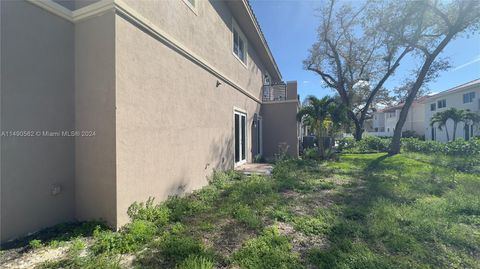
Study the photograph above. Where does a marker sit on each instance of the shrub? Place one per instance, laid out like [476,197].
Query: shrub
[129,239]
[311,153]
[366,145]
[458,147]
[346,144]
[147,211]
[181,207]
[35,244]
[270,250]
[413,134]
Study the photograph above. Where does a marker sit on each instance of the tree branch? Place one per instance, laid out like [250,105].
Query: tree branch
[382,81]
[331,82]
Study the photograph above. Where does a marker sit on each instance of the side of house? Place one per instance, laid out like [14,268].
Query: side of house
[163,93]
[466,97]
[385,120]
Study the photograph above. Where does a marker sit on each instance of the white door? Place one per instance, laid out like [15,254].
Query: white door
[240,137]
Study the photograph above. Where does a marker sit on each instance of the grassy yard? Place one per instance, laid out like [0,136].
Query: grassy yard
[364,211]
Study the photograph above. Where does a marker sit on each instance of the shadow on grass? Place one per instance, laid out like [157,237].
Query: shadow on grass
[56,234]
[379,225]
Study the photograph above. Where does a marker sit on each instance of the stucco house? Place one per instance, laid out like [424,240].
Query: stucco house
[384,120]
[466,97]
[107,102]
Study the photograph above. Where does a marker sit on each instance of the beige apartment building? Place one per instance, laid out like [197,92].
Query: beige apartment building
[108,102]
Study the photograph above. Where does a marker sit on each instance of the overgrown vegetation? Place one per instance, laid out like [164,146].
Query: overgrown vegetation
[459,154]
[364,211]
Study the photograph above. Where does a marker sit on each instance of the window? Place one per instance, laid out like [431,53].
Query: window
[239,44]
[468,97]
[192,4]
[433,107]
[442,103]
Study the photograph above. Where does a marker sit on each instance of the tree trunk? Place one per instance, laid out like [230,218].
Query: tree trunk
[320,146]
[358,132]
[397,134]
[446,131]
[454,130]
[358,125]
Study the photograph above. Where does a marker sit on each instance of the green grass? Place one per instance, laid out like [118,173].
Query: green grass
[363,211]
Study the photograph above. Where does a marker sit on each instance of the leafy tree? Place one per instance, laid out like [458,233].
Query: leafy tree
[428,26]
[355,58]
[400,93]
[323,116]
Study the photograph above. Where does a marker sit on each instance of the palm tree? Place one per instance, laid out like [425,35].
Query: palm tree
[457,116]
[321,115]
[440,119]
[471,118]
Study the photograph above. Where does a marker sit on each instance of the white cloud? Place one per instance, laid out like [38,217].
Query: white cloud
[476,59]
[305,82]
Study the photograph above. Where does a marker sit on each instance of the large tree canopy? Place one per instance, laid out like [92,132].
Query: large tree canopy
[354,58]
[428,26]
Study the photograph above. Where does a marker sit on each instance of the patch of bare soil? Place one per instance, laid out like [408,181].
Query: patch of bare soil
[32,258]
[228,237]
[301,243]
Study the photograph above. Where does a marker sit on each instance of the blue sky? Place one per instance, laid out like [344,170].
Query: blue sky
[290,29]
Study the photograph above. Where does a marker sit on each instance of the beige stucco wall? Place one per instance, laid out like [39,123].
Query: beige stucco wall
[174,126]
[37,94]
[208,33]
[95,161]
[162,124]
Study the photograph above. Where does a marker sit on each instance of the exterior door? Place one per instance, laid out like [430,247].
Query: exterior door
[240,137]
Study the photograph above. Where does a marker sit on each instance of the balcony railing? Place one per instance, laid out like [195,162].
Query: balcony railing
[277,92]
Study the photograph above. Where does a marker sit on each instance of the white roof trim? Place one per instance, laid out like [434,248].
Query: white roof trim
[462,87]
[77,15]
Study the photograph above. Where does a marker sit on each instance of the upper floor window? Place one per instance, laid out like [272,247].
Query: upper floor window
[239,44]
[468,97]
[433,107]
[442,103]
[192,4]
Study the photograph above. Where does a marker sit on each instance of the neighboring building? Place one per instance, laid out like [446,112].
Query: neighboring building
[384,121]
[466,97]
[162,93]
